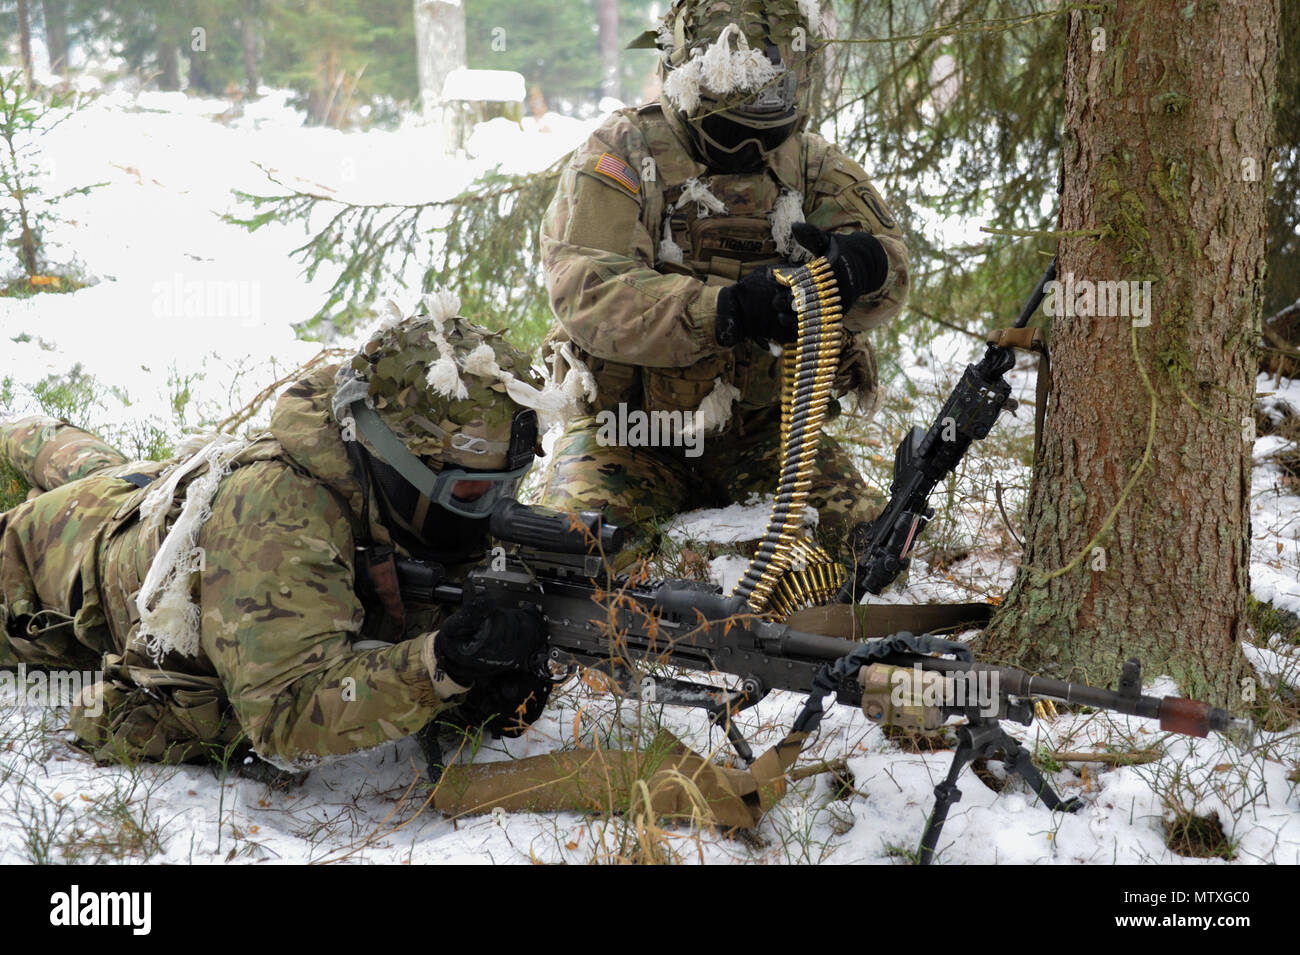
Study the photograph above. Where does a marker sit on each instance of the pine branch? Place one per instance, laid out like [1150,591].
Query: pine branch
[472,241]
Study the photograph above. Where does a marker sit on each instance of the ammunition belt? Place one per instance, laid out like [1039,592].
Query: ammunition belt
[789,572]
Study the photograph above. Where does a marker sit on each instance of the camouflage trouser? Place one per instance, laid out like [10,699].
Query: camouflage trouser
[53,612]
[50,453]
[47,541]
[639,487]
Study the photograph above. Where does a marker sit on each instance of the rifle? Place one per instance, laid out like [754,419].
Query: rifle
[927,456]
[627,630]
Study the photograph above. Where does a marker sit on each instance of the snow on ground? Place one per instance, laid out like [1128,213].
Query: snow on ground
[171,162]
[1275,517]
[179,293]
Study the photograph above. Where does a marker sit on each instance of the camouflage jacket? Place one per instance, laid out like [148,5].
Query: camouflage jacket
[645,322]
[281,612]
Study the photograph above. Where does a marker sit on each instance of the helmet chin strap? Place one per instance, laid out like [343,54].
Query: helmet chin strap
[422,527]
[395,454]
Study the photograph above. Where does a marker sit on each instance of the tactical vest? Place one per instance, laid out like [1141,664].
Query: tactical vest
[716,247]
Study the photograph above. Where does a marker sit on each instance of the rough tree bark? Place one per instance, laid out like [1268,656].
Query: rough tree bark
[1168,130]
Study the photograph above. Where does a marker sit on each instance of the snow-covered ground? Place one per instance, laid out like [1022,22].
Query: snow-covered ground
[154,231]
[180,298]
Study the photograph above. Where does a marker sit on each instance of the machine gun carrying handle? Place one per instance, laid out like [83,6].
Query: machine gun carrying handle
[682,601]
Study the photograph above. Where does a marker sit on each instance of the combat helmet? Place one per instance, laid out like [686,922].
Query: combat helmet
[439,404]
[736,74]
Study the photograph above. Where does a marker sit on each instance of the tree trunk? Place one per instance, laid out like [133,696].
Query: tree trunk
[248,40]
[329,78]
[198,72]
[607,20]
[27,244]
[439,49]
[56,34]
[827,68]
[169,67]
[25,40]
[1168,130]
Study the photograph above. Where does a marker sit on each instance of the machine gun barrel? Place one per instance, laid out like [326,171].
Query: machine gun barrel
[1176,714]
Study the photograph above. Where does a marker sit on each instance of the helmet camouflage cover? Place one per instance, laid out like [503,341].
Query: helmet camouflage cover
[737,71]
[440,385]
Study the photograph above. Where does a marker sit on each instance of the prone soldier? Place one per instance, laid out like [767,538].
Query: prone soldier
[245,593]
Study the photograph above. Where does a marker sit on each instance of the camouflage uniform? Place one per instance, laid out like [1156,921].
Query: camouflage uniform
[282,609]
[645,324]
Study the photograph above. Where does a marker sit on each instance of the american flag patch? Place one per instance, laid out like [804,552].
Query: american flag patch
[619,171]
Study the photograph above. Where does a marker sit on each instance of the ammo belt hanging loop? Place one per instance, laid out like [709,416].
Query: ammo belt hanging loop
[788,572]
[1035,340]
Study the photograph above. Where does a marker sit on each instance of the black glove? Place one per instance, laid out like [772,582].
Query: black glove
[480,640]
[757,307]
[507,704]
[857,259]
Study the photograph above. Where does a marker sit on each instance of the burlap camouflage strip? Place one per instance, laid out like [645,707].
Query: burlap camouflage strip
[677,783]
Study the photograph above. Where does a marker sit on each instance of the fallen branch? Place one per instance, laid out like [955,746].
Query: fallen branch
[837,766]
[1132,758]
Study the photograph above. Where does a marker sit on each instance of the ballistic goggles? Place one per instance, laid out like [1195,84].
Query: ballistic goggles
[441,486]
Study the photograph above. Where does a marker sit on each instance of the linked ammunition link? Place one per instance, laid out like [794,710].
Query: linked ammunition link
[789,572]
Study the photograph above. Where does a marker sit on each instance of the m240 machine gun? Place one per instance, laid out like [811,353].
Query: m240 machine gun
[630,630]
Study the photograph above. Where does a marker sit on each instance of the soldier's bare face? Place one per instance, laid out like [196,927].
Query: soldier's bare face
[469,490]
